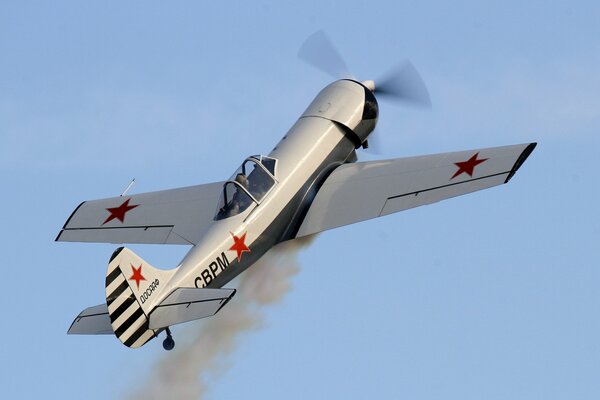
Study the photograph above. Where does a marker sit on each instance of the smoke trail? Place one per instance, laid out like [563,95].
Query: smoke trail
[180,373]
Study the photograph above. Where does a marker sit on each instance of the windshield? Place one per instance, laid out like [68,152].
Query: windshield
[250,183]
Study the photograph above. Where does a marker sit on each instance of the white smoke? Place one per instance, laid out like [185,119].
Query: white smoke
[181,374]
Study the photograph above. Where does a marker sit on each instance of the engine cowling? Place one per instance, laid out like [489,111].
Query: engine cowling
[350,104]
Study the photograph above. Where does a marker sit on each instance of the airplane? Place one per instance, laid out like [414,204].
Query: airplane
[309,183]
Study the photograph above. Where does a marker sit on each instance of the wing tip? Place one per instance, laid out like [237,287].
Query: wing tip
[71,331]
[520,160]
[67,222]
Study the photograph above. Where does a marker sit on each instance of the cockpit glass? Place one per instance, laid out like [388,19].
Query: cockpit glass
[254,179]
[267,162]
[233,201]
[249,183]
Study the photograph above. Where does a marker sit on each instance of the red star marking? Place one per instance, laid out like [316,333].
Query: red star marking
[137,275]
[119,212]
[239,246]
[468,166]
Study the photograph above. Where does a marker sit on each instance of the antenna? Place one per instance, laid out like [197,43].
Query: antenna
[128,187]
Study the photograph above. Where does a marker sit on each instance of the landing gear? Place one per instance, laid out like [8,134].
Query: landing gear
[168,343]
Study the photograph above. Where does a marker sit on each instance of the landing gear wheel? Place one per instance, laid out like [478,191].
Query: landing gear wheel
[168,343]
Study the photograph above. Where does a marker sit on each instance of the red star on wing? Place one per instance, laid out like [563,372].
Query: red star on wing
[119,212]
[239,246]
[137,275]
[468,166]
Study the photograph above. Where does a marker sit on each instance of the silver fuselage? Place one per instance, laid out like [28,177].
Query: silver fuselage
[326,135]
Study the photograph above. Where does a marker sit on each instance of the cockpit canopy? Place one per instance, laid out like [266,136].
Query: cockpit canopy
[248,185]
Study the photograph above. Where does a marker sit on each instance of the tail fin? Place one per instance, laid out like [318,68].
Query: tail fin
[131,287]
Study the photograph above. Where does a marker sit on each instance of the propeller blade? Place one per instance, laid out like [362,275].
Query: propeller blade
[404,84]
[320,52]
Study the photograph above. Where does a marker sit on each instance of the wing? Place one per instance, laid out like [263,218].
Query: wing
[176,216]
[361,191]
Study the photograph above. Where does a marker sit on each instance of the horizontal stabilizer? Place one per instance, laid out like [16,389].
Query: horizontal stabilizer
[92,321]
[188,304]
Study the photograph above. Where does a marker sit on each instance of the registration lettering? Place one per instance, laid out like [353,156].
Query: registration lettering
[209,273]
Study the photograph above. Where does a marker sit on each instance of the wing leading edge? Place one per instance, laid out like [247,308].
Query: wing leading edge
[361,191]
[176,216]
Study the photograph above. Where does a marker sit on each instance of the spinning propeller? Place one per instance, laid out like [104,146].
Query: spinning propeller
[402,84]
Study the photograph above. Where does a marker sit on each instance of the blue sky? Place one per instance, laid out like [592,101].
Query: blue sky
[492,295]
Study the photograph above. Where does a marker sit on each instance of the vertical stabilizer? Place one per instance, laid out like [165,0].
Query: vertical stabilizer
[132,285]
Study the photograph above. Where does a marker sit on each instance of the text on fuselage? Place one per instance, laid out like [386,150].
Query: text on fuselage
[209,273]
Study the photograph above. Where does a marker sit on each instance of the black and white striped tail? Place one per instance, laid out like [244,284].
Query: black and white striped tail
[128,320]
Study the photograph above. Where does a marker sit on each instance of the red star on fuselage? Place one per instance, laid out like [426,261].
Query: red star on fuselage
[119,212]
[137,275]
[468,166]
[239,246]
